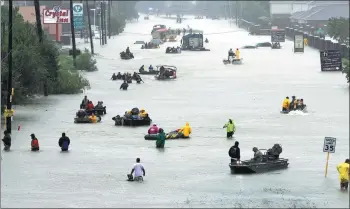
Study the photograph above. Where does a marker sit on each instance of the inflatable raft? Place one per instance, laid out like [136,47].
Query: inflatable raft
[86,119]
[168,136]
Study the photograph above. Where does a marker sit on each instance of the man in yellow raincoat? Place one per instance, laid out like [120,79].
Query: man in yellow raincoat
[237,54]
[285,104]
[93,118]
[143,113]
[186,130]
[230,128]
[343,170]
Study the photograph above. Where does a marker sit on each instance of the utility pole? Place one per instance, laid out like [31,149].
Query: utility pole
[104,21]
[101,23]
[8,110]
[40,35]
[236,13]
[109,18]
[73,32]
[90,32]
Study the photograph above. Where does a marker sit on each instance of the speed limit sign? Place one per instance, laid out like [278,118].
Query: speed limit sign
[329,144]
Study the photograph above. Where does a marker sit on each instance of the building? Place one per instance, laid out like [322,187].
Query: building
[285,13]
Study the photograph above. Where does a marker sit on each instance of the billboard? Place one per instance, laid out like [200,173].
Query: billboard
[298,43]
[56,15]
[331,60]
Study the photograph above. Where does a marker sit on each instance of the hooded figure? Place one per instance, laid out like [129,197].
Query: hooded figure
[124,86]
[114,77]
[257,154]
[127,51]
[142,69]
[186,130]
[230,128]
[235,153]
[34,143]
[160,139]
[7,141]
[64,142]
[153,129]
[291,105]
[143,113]
[150,68]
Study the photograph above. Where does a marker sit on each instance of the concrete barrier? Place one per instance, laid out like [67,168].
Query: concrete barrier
[319,43]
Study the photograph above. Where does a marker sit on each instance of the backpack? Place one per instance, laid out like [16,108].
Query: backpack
[65,144]
[233,152]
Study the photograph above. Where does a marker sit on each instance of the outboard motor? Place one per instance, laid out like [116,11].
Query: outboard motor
[118,120]
[275,151]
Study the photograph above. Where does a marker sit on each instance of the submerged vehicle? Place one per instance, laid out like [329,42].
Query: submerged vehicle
[86,119]
[157,27]
[276,45]
[263,44]
[146,18]
[270,161]
[166,72]
[125,56]
[248,47]
[140,42]
[193,42]
[173,50]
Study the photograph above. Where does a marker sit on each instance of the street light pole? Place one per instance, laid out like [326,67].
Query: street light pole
[94,18]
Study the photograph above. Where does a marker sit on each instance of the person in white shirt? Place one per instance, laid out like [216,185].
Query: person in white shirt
[139,171]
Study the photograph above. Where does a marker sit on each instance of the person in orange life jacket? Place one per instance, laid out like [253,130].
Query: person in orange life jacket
[64,142]
[34,143]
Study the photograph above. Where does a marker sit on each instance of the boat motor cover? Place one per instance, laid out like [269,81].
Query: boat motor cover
[135,111]
[276,149]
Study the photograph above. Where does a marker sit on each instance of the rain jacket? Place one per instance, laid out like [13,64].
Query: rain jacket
[343,170]
[286,103]
[237,54]
[153,130]
[230,127]
[64,142]
[93,118]
[35,143]
[160,140]
[186,130]
[143,114]
[90,106]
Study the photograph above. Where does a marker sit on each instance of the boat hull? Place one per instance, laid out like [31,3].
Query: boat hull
[131,122]
[86,119]
[248,168]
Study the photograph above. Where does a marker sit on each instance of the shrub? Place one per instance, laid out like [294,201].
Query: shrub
[85,62]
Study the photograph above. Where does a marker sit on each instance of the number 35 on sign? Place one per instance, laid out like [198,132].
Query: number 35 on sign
[329,144]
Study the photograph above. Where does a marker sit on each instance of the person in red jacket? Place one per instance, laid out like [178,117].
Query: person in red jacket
[34,143]
[90,106]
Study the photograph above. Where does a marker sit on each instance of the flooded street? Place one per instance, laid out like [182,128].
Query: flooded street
[187,173]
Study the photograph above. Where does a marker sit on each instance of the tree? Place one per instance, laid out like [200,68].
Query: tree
[32,62]
[346,70]
[338,29]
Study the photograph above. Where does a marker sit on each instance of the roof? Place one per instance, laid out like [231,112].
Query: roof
[162,30]
[327,12]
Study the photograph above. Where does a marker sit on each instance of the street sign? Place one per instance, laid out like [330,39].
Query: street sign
[78,16]
[78,9]
[331,60]
[278,35]
[56,15]
[329,144]
[298,43]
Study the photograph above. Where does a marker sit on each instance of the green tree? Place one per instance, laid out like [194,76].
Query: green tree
[338,29]
[32,62]
[346,70]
